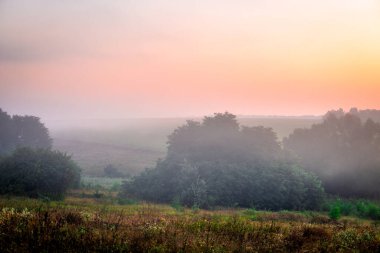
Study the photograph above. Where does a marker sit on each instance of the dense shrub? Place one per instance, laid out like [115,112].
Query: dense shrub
[219,163]
[37,173]
[335,212]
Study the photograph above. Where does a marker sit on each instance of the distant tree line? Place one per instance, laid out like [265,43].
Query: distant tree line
[217,162]
[364,115]
[343,151]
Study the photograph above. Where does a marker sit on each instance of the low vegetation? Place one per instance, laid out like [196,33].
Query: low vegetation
[35,226]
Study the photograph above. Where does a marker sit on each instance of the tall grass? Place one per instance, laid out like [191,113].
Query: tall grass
[34,226]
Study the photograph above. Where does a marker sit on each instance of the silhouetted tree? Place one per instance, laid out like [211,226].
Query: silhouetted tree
[22,131]
[364,115]
[31,132]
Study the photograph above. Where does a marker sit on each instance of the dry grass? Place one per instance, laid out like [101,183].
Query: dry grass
[33,226]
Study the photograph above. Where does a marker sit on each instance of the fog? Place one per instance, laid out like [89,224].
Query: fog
[102,142]
[340,147]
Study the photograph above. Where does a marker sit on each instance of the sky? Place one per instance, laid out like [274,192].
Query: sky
[164,58]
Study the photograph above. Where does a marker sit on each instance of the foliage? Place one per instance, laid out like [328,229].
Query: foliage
[356,207]
[176,204]
[38,173]
[113,172]
[343,152]
[219,163]
[251,213]
[22,131]
[335,212]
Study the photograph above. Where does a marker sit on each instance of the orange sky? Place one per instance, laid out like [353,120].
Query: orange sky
[117,59]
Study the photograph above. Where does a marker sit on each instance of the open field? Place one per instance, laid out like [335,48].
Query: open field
[100,225]
[133,145]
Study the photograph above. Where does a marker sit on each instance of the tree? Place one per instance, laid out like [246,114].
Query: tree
[38,172]
[7,133]
[218,163]
[22,131]
[343,151]
[113,172]
[31,132]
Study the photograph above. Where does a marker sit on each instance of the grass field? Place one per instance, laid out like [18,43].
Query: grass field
[133,145]
[85,224]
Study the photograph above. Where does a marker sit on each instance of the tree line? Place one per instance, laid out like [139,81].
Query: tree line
[343,151]
[216,162]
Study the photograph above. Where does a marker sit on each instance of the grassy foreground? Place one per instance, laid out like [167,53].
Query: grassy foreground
[97,225]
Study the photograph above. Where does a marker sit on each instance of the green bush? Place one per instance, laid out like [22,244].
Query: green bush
[335,212]
[38,173]
[251,213]
[176,204]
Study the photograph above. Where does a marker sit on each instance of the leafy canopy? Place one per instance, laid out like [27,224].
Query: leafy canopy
[217,162]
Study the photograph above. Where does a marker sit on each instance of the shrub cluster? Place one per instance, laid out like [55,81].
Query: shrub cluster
[38,173]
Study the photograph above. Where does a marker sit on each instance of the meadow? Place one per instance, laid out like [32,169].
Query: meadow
[96,218]
[87,222]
